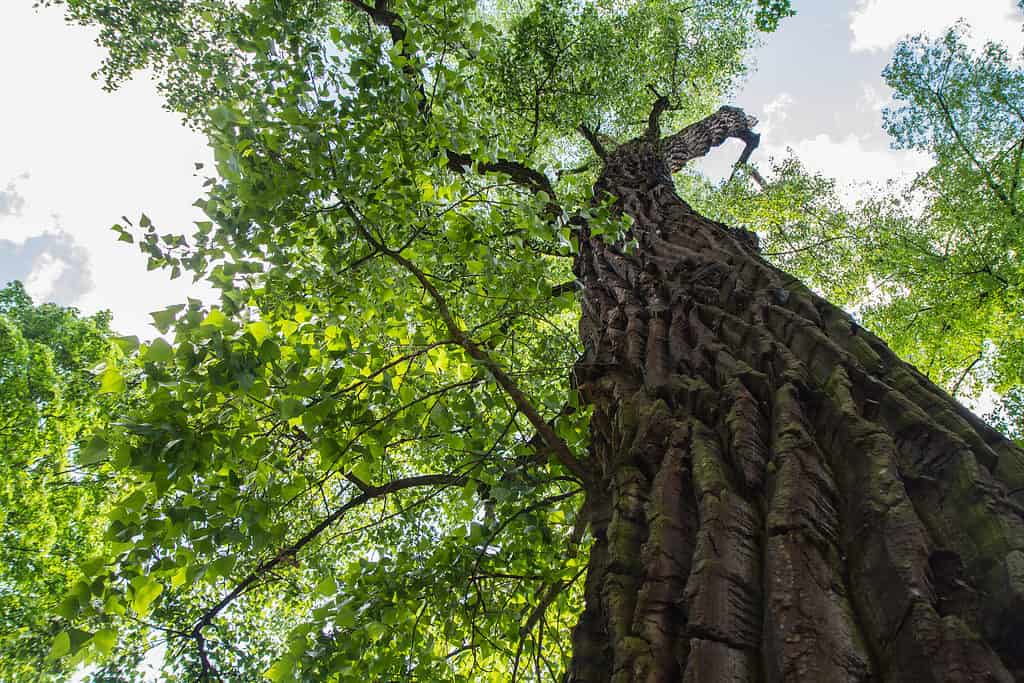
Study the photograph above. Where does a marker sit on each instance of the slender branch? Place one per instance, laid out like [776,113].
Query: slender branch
[591,136]
[288,553]
[965,373]
[538,612]
[553,592]
[997,190]
[522,403]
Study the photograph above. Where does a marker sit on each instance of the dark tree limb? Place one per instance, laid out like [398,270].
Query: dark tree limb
[383,17]
[591,136]
[565,287]
[661,105]
[697,139]
[520,173]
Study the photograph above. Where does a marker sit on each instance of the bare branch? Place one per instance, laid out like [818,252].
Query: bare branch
[591,137]
[697,139]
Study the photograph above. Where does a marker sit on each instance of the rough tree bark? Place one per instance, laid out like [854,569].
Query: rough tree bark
[777,496]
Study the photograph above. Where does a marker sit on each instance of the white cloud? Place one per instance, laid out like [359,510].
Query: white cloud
[880,24]
[774,113]
[53,266]
[11,201]
[854,161]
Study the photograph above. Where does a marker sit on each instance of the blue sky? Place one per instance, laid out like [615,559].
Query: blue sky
[74,159]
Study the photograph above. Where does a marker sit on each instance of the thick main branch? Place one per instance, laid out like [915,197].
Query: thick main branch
[697,139]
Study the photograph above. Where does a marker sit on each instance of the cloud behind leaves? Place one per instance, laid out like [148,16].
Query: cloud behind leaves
[52,266]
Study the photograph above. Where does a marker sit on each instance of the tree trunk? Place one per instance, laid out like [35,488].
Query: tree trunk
[776,495]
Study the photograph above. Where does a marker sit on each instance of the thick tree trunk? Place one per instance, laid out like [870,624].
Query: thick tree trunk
[777,496]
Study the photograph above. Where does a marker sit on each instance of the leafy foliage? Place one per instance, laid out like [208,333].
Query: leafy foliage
[362,461]
[48,495]
[966,109]
[935,267]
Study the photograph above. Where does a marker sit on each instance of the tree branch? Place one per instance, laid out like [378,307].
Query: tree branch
[522,403]
[697,139]
[383,17]
[530,178]
[287,553]
[661,105]
[591,136]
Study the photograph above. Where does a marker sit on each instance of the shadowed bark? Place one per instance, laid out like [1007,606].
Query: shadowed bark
[776,496]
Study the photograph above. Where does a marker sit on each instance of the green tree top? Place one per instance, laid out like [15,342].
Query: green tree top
[363,461]
[48,405]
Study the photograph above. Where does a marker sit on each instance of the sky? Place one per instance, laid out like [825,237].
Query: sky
[74,159]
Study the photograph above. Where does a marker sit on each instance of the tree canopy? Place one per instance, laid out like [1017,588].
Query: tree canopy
[932,266]
[362,461]
[48,493]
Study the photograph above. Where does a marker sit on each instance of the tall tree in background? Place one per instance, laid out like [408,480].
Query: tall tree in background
[48,500]
[934,268]
[387,454]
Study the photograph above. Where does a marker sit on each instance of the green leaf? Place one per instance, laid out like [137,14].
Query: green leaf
[215,318]
[345,616]
[93,452]
[290,408]
[111,381]
[259,330]
[159,351]
[146,590]
[127,344]
[104,640]
[363,469]
[163,319]
[60,646]
[279,670]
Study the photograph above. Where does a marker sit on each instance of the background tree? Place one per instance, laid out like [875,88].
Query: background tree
[934,267]
[387,453]
[48,497]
